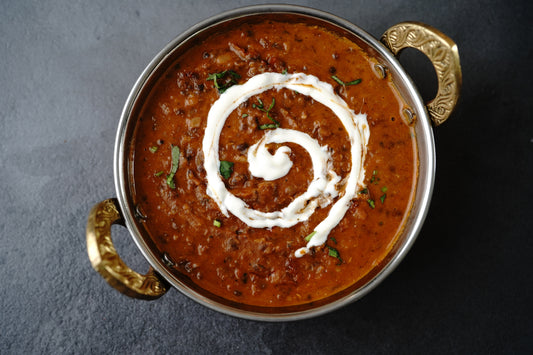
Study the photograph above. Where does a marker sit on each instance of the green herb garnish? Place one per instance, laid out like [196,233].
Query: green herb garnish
[371,203]
[226,168]
[308,238]
[261,107]
[284,71]
[217,223]
[374,179]
[268,126]
[153,149]
[339,81]
[364,191]
[159,173]
[175,163]
[334,253]
[224,80]
[384,190]
[353,82]
[244,115]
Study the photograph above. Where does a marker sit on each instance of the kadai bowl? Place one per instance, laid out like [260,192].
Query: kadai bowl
[274,162]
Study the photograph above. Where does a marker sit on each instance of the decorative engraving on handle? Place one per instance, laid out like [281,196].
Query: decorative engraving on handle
[105,260]
[444,55]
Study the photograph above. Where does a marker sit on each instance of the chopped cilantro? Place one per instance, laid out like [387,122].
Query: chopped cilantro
[175,163]
[374,179]
[261,107]
[334,253]
[268,126]
[384,190]
[353,82]
[339,81]
[308,238]
[228,78]
[226,168]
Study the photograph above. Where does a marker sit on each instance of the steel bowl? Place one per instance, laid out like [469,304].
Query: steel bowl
[441,51]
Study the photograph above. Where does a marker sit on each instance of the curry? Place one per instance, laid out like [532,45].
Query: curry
[257,257]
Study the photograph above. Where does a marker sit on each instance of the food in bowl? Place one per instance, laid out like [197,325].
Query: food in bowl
[272,164]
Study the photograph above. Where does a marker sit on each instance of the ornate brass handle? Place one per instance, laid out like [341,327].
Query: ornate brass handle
[442,52]
[105,260]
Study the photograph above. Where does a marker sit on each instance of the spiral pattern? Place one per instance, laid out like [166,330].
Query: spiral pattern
[322,190]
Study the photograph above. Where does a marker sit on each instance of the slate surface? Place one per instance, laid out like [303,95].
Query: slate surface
[66,70]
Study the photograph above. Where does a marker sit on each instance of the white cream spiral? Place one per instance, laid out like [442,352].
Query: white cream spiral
[322,190]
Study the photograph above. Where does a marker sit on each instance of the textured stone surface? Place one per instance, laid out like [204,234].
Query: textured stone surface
[66,70]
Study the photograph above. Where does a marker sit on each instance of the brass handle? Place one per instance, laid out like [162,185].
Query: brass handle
[105,260]
[444,55]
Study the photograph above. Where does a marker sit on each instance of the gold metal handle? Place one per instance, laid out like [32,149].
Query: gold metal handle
[105,260]
[444,55]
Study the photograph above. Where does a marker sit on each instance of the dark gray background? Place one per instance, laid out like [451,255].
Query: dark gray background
[66,70]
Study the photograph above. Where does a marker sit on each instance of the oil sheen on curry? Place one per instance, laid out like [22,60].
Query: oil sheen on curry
[272,164]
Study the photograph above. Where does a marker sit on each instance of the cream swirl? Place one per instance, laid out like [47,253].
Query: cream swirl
[322,190]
